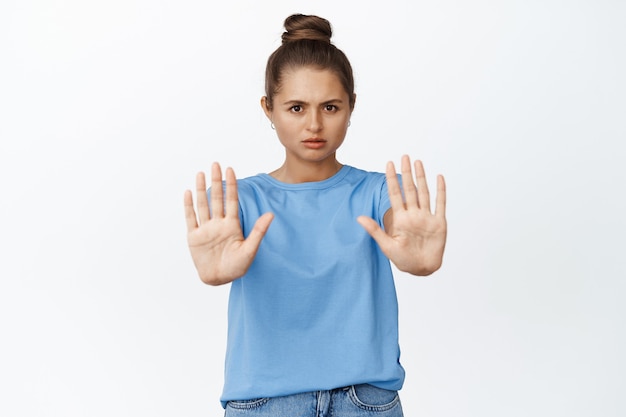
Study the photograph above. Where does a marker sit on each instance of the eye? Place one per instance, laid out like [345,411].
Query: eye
[296,109]
[330,107]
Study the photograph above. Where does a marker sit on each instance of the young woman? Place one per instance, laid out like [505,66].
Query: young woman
[313,314]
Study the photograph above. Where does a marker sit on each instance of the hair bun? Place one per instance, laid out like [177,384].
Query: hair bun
[306,27]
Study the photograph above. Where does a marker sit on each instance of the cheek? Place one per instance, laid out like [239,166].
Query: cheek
[285,131]
[342,124]
[287,125]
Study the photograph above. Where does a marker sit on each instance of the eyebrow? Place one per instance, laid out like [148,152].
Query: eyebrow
[295,102]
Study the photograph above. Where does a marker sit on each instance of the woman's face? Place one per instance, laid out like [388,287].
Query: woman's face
[310,113]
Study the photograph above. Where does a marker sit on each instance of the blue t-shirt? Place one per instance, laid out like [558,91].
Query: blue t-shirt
[317,308]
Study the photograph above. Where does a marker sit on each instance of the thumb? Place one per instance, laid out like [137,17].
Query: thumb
[257,233]
[375,231]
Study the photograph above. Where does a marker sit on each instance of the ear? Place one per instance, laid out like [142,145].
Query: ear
[353,101]
[265,107]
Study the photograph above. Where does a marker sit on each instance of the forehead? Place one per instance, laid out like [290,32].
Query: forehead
[310,84]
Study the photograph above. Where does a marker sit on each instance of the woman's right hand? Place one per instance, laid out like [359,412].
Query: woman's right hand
[216,242]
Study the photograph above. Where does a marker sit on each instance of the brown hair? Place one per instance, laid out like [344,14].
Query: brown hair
[306,42]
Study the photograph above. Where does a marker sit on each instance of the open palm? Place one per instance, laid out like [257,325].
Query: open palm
[414,238]
[218,248]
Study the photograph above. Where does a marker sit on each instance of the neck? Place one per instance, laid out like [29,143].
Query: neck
[295,173]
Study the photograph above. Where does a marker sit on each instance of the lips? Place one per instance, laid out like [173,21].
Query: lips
[314,143]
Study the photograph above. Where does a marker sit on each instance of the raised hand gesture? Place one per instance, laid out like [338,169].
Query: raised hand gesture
[414,238]
[216,242]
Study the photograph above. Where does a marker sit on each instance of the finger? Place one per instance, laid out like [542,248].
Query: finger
[253,241]
[203,204]
[190,213]
[410,191]
[217,193]
[376,232]
[393,188]
[440,205]
[232,199]
[422,188]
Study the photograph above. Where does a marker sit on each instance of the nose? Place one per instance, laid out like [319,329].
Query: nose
[315,121]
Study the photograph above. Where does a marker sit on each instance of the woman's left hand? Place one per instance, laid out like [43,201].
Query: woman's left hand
[414,238]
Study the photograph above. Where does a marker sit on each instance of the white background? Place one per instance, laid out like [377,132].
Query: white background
[109,108]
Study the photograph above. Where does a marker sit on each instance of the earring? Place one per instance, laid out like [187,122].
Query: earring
[272,126]
[349,123]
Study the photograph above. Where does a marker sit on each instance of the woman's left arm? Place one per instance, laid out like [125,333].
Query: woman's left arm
[414,238]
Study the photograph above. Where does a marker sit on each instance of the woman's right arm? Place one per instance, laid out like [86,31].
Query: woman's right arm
[218,248]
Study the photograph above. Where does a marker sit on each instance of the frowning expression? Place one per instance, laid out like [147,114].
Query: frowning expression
[310,112]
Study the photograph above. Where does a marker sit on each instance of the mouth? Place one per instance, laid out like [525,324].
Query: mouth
[314,143]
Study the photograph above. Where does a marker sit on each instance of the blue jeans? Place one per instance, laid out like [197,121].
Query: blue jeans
[353,401]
